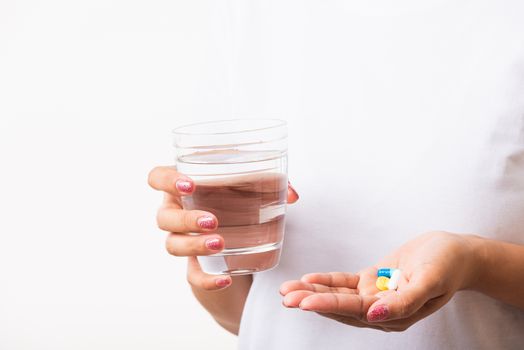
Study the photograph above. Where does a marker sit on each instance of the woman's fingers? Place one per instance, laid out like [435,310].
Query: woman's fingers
[295,291]
[199,279]
[179,220]
[167,179]
[351,305]
[180,244]
[291,286]
[332,279]
[293,299]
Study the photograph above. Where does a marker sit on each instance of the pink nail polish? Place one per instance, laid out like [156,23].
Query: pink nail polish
[379,313]
[206,222]
[184,186]
[292,189]
[222,282]
[214,244]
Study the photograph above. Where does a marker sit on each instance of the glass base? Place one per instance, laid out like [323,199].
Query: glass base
[242,261]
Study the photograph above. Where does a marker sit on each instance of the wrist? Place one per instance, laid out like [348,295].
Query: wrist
[476,262]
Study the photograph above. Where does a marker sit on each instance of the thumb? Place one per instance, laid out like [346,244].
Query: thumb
[201,280]
[404,302]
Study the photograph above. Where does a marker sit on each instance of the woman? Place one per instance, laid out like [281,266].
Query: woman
[407,144]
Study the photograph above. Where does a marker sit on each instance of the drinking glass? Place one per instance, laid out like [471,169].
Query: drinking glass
[240,171]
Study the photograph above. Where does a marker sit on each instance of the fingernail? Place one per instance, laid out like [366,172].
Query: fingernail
[207,222]
[379,313]
[222,282]
[184,186]
[214,244]
[291,188]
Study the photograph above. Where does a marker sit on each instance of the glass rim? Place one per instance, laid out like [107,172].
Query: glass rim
[278,123]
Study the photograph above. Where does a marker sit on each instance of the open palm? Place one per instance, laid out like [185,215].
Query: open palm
[434,266]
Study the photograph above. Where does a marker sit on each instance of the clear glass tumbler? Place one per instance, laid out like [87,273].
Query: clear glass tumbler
[240,171]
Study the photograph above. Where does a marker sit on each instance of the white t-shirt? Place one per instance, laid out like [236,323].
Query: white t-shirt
[404,117]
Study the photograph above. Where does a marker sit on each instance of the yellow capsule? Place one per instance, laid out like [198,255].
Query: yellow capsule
[382,283]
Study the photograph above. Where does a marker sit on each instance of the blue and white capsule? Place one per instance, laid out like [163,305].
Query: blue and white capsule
[386,272]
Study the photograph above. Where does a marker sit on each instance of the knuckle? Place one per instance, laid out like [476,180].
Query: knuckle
[189,219]
[194,247]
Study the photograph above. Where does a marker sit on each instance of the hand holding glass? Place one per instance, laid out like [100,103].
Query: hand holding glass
[240,171]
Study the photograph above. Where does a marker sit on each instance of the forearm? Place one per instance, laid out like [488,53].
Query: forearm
[500,270]
[226,305]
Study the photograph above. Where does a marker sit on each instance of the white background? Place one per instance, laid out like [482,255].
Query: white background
[89,91]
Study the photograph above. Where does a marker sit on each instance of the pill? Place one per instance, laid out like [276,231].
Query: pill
[385,271]
[393,281]
[382,283]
